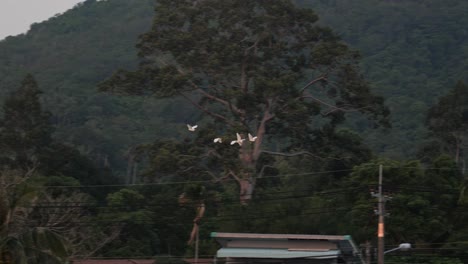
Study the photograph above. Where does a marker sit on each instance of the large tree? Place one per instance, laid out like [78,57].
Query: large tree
[25,129]
[263,68]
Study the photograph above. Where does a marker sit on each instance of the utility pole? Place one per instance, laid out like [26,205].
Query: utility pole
[381,227]
[368,252]
[196,244]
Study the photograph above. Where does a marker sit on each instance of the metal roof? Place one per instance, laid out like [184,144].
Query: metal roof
[282,246]
[114,261]
[277,236]
[274,253]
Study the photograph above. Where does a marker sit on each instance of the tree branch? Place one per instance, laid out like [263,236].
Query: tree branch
[208,112]
[260,174]
[231,173]
[215,178]
[267,116]
[323,77]
[219,100]
[206,94]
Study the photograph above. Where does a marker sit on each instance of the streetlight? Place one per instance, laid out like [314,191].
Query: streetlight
[403,247]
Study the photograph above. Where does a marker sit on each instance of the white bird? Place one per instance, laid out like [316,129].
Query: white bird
[252,138]
[191,128]
[238,141]
[217,140]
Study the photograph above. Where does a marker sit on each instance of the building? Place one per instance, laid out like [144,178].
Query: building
[114,261]
[246,248]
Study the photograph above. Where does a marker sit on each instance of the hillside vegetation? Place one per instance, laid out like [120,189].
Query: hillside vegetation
[413,52]
[102,152]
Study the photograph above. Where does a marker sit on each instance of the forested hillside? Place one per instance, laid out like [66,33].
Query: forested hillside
[304,106]
[69,54]
[413,52]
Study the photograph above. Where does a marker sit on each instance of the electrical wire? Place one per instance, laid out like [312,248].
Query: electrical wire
[211,181]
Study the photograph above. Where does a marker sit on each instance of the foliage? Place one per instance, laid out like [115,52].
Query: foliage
[25,130]
[448,120]
[412,52]
[19,242]
[152,222]
[26,140]
[423,259]
[169,260]
[256,71]
[27,145]
[71,52]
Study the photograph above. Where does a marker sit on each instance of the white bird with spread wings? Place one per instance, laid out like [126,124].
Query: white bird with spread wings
[252,138]
[238,141]
[191,128]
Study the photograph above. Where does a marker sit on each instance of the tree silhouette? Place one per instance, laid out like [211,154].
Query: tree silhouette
[25,129]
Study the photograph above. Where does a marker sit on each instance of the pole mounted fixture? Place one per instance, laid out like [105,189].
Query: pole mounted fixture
[402,247]
[381,227]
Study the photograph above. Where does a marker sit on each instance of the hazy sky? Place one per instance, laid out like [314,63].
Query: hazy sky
[17,15]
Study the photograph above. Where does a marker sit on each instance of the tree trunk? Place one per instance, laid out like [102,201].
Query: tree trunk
[130,168]
[247,179]
[246,187]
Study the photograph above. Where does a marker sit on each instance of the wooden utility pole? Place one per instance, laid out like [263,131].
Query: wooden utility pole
[381,228]
[368,252]
[196,245]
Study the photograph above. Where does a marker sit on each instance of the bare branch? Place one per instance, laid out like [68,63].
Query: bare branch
[323,77]
[214,153]
[260,174]
[200,213]
[217,99]
[206,94]
[215,178]
[244,78]
[218,179]
[231,173]
[208,112]
[333,108]
[115,232]
[267,116]
[344,110]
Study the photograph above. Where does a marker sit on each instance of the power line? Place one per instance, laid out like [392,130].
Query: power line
[215,201]
[259,178]
[189,182]
[258,199]
[209,219]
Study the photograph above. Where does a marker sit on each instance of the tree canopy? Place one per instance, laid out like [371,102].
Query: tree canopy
[263,68]
[25,129]
[448,121]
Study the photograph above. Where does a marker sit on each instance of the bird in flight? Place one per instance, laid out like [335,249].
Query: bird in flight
[238,141]
[191,128]
[217,140]
[252,138]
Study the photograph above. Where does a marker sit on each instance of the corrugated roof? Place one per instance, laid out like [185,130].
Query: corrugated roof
[114,261]
[253,245]
[274,253]
[277,236]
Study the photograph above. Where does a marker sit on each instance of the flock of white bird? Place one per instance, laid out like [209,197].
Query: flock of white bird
[239,140]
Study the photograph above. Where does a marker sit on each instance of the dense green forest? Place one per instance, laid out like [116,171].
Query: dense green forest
[97,159]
